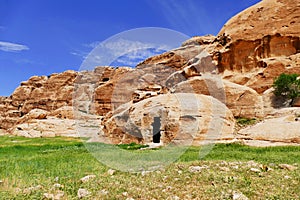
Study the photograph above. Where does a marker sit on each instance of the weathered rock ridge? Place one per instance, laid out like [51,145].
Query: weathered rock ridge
[236,69]
[267,17]
[46,93]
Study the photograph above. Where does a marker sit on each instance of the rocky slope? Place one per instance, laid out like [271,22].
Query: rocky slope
[268,17]
[236,68]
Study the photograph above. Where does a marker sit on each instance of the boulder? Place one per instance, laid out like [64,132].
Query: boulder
[285,127]
[185,119]
[49,127]
[241,100]
[199,40]
[37,114]
[65,112]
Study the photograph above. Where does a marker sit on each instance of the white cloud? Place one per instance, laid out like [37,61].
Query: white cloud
[92,45]
[120,51]
[79,54]
[134,57]
[12,47]
[122,46]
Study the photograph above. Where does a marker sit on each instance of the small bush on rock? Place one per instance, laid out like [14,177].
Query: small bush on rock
[287,86]
[241,121]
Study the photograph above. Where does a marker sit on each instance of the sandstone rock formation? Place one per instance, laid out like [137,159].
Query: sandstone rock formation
[264,40]
[282,126]
[44,93]
[268,17]
[185,119]
[247,58]
[241,100]
[236,68]
[54,94]
[49,127]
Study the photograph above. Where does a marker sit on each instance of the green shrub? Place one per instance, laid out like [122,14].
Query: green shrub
[287,86]
[245,121]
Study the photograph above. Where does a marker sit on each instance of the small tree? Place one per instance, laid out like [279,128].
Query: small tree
[287,86]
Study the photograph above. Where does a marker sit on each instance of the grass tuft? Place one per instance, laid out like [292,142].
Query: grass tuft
[132,146]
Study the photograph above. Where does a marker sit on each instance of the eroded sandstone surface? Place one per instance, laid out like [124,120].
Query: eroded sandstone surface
[186,119]
[234,70]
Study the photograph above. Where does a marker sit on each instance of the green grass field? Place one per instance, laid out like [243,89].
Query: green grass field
[31,167]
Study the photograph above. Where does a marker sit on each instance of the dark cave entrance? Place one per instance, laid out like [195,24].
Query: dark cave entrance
[156,130]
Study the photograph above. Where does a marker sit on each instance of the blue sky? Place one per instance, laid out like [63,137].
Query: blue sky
[41,37]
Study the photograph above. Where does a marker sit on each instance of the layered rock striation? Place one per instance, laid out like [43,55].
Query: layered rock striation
[234,70]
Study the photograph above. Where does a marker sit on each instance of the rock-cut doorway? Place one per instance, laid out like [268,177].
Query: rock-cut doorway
[156,130]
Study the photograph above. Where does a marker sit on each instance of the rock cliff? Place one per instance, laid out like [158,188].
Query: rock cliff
[267,17]
[236,69]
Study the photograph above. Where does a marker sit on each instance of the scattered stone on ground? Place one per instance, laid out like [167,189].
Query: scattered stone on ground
[58,196]
[104,192]
[82,193]
[144,173]
[32,189]
[225,169]
[265,168]
[58,186]
[288,167]
[238,196]
[195,169]
[56,179]
[255,170]
[175,198]
[111,172]
[87,178]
